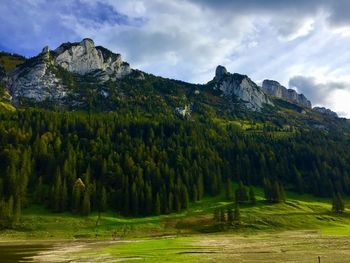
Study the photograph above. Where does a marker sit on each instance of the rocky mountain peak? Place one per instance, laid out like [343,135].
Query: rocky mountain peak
[237,86]
[83,57]
[88,43]
[326,112]
[220,72]
[38,79]
[45,50]
[275,89]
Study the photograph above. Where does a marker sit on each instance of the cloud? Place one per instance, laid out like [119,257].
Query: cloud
[187,39]
[334,95]
[290,29]
[29,25]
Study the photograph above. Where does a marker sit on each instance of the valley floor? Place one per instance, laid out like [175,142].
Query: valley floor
[300,230]
[289,246]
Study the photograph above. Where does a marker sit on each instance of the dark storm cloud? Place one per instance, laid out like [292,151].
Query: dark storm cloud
[319,92]
[338,10]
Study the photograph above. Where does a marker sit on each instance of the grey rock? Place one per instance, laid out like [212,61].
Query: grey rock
[82,58]
[185,111]
[242,88]
[220,72]
[36,79]
[45,50]
[275,89]
[325,111]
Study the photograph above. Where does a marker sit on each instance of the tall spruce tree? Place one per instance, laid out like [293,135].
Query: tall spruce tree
[252,198]
[230,215]
[337,204]
[237,214]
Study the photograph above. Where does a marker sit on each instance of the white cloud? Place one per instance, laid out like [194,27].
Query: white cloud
[187,39]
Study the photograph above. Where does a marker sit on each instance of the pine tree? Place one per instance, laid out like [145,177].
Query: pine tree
[39,193]
[228,190]
[85,210]
[252,198]
[222,215]
[282,193]
[241,193]
[17,210]
[103,200]
[76,202]
[57,192]
[184,197]
[267,189]
[337,204]
[216,215]
[157,205]
[64,197]
[230,215]
[237,214]
[148,199]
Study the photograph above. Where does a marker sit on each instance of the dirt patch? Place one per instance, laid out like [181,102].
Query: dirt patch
[80,251]
[302,246]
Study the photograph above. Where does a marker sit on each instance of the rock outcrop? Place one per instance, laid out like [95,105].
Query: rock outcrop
[275,89]
[37,78]
[325,111]
[240,87]
[82,58]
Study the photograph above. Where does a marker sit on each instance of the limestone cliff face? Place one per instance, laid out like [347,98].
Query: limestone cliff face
[275,89]
[84,57]
[326,112]
[242,88]
[37,78]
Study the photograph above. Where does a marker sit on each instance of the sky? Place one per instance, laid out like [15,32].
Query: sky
[305,45]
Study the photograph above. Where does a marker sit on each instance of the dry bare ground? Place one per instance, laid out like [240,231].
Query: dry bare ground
[301,246]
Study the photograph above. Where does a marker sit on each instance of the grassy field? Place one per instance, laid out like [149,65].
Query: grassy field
[299,212]
[299,230]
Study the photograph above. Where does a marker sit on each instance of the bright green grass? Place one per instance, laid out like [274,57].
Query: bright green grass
[300,212]
[180,249]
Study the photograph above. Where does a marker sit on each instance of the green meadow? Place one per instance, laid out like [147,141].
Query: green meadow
[302,229]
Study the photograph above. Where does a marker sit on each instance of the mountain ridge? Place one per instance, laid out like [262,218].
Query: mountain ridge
[50,75]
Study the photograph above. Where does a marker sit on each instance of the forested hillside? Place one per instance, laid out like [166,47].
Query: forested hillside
[137,165]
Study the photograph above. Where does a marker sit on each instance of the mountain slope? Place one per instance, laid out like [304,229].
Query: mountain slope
[90,133]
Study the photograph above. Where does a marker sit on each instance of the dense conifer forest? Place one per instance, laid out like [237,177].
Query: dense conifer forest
[137,165]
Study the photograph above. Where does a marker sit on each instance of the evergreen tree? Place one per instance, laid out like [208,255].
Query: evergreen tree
[78,189]
[252,198]
[337,204]
[241,194]
[267,189]
[85,210]
[157,205]
[222,215]
[184,197]
[103,200]
[230,215]
[57,192]
[64,197]
[216,215]
[237,214]
[228,190]
[275,194]
[17,210]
